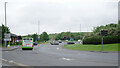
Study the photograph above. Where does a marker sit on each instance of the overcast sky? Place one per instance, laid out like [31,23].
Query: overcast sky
[57,16]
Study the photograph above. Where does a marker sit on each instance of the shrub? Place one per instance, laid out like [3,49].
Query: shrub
[97,40]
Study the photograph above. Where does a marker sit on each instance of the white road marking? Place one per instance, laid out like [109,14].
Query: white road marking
[11,61]
[58,48]
[66,59]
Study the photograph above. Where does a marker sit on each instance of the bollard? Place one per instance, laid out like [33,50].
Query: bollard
[8,46]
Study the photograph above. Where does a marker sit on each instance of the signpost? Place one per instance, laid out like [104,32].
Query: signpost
[103,33]
[7,38]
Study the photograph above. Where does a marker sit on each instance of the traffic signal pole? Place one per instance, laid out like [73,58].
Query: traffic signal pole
[103,33]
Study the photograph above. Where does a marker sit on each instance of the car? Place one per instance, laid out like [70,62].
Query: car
[35,44]
[66,40]
[54,43]
[59,41]
[79,41]
[70,42]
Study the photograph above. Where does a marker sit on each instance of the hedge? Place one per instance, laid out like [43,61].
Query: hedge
[97,40]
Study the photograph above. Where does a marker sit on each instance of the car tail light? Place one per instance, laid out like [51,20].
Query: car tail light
[32,45]
[22,44]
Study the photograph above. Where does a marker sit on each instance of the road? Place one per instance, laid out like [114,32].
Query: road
[56,55]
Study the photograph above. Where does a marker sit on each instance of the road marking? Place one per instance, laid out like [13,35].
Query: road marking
[66,59]
[58,48]
[12,62]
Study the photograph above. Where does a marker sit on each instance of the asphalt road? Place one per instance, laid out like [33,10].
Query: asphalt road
[56,55]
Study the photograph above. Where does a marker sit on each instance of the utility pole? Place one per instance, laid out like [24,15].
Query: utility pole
[38,30]
[70,32]
[5,23]
[80,30]
[38,27]
[5,16]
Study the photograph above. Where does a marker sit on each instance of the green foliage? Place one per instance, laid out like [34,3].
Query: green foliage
[97,40]
[35,37]
[67,35]
[112,37]
[113,29]
[44,36]
[4,29]
[16,43]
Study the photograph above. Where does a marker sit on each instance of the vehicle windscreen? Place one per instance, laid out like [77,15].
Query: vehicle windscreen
[27,42]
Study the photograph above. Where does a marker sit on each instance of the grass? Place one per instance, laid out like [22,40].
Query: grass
[44,42]
[0,45]
[106,47]
[10,45]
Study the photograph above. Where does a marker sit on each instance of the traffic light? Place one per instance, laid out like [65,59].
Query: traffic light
[104,32]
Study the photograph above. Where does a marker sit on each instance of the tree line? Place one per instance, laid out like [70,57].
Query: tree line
[38,38]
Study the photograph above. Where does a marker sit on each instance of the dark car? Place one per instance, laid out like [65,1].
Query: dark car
[59,41]
[70,42]
[54,43]
[35,44]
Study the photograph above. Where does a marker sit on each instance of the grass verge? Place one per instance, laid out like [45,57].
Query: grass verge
[44,42]
[106,47]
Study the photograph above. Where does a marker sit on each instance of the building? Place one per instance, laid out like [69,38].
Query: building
[15,38]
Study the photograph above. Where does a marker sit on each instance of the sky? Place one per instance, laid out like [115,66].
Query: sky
[55,16]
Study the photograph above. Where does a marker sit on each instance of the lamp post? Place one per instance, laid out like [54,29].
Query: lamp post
[5,23]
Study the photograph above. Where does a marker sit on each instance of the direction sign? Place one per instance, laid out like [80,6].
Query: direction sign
[7,39]
[71,39]
[7,35]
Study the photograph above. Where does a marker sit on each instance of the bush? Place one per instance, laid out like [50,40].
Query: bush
[16,43]
[97,40]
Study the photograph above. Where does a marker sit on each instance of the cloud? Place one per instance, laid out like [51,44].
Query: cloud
[57,15]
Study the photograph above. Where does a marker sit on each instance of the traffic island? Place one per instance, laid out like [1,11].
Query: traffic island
[94,48]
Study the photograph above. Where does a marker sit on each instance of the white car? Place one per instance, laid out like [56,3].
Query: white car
[79,41]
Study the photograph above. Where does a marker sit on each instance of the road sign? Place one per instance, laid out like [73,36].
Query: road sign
[7,39]
[38,38]
[71,39]
[7,35]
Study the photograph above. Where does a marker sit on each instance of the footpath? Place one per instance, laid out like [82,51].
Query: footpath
[9,49]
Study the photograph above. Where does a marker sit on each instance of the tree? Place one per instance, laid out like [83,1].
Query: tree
[4,29]
[44,36]
[35,37]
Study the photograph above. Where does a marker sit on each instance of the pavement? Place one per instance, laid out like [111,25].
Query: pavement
[56,55]
[9,49]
